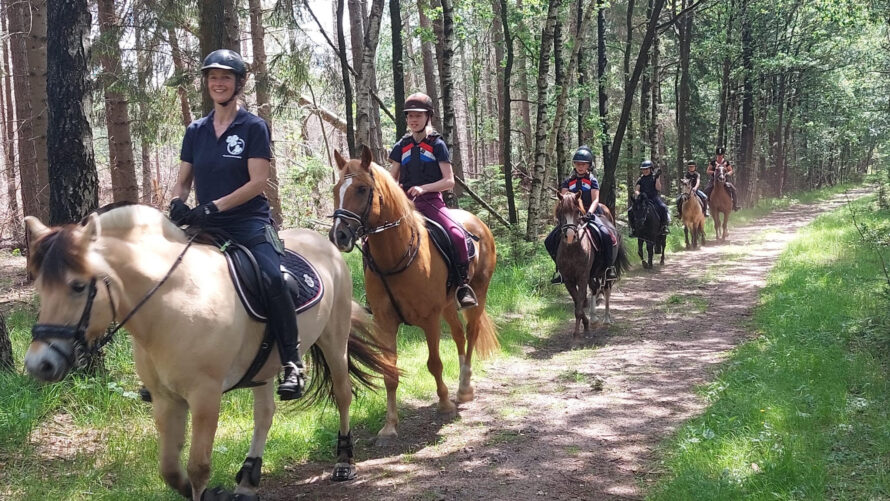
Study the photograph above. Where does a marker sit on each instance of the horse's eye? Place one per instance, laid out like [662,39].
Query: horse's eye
[361,190]
[78,286]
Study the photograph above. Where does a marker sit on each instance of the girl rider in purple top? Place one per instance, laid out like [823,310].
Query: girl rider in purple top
[227,156]
[422,166]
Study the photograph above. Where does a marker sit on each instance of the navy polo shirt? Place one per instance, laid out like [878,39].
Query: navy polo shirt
[419,161]
[220,164]
[647,186]
[583,184]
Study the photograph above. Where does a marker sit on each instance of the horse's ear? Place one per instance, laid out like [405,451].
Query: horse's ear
[341,162]
[90,231]
[367,157]
[35,230]
[577,195]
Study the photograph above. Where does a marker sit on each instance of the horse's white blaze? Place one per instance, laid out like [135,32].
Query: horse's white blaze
[343,187]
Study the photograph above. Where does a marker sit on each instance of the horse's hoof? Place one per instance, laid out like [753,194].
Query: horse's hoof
[343,472]
[465,396]
[217,494]
[447,411]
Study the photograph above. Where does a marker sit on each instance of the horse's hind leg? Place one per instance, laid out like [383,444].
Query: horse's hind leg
[464,353]
[336,358]
[248,477]
[434,365]
[663,241]
[607,294]
[388,329]
[170,416]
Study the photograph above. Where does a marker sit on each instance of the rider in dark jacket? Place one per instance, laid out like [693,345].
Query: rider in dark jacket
[650,184]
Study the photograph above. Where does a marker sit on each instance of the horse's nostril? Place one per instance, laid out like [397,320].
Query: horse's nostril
[46,368]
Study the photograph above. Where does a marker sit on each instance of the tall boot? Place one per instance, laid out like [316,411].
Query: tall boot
[283,322]
[465,296]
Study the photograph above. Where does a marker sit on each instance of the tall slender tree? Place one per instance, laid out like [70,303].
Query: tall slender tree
[506,122]
[8,129]
[429,61]
[217,29]
[36,41]
[30,186]
[398,67]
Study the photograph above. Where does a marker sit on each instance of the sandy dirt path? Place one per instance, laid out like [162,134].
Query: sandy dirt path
[580,420]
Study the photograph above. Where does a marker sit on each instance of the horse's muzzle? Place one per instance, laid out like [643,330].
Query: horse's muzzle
[49,360]
[342,236]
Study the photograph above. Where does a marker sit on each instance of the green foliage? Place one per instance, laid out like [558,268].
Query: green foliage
[800,412]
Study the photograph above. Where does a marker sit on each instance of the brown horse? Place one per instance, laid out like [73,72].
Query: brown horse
[406,279]
[721,203]
[692,215]
[192,338]
[581,265]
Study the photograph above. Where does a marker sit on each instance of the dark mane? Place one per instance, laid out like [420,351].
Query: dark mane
[56,253]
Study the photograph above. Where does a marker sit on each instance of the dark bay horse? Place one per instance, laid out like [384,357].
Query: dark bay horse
[192,338]
[406,279]
[582,266]
[721,203]
[691,214]
[647,226]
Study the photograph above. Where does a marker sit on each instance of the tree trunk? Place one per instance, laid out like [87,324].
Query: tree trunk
[684,36]
[449,120]
[541,128]
[143,73]
[217,29]
[724,81]
[365,84]
[601,63]
[506,116]
[263,102]
[429,63]
[117,119]
[585,129]
[347,84]
[630,167]
[6,362]
[31,205]
[37,84]
[560,82]
[181,76]
[8,138]
[398,67]
[746,160]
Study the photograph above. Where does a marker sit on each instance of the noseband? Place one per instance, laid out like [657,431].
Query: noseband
[77,334]
[358,224]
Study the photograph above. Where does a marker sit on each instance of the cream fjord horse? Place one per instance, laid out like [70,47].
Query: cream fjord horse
[406,277]
[192,338]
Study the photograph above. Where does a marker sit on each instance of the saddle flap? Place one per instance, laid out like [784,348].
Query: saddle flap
[443,243]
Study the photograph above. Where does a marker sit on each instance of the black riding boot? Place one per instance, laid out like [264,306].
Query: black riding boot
[283,322]
[465,296]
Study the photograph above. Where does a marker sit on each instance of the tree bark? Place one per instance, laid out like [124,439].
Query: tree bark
[31,205]
[6,362]
[8,118]
[449,119]
[347,83]
[74,183]
[181,76]
[745,167]
[217,29]
[541,129]
[117,119]
[429,62]
[601,63]
[724,80]
[365,82]
[506,116]
[37,84]
[398,67]
[560,82]
[263,101]
[585,131]
[684,37]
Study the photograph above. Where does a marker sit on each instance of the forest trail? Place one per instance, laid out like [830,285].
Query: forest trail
[580,420]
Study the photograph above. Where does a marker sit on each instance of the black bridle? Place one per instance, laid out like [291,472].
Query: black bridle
[46,333]
[358,224]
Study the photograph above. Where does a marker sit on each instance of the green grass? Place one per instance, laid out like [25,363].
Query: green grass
[801,412]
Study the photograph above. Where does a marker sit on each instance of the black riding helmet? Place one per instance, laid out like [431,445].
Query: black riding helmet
[720,150]
[583,154]
[646,164]
[225,59]
[690,163]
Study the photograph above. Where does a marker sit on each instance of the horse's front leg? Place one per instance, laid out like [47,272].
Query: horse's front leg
[686,236]
[170,416]
[204,404]
[464,344]
[663,242]
[248,477]
[388,329]
[579,295]
[640,252]
[725,223]
[447,408]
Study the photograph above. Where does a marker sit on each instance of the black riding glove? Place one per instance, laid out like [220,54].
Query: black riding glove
[178,210]
[200,214]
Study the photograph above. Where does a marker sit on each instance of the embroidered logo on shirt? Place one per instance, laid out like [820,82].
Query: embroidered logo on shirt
[234,144]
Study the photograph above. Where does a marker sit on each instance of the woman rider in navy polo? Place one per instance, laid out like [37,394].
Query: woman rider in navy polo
[227,154]
[582,180]
[422,166]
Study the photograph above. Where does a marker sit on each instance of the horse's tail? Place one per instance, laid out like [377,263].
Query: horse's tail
[487,336]
[622,263]
[363,348]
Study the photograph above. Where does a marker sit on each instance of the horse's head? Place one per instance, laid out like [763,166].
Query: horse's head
[570,214]
[685,188]
[720,173]
[74,310]
[355,206]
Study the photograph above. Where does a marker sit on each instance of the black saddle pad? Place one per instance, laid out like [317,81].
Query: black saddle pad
[443,243]
[303,281]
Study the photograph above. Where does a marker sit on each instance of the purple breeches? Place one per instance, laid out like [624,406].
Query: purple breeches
[431,205]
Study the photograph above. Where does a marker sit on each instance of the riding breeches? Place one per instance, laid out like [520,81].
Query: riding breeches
[431,205]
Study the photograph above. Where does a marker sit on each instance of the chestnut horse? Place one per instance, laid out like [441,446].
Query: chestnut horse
[691,214]
[721,203]
[406,279]
[192,338]
[581,265]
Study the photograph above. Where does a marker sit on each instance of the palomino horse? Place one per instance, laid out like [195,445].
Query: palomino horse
[579,262]
[721,203]
[406,279]
[691,214]
[192,338]
[647,226]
